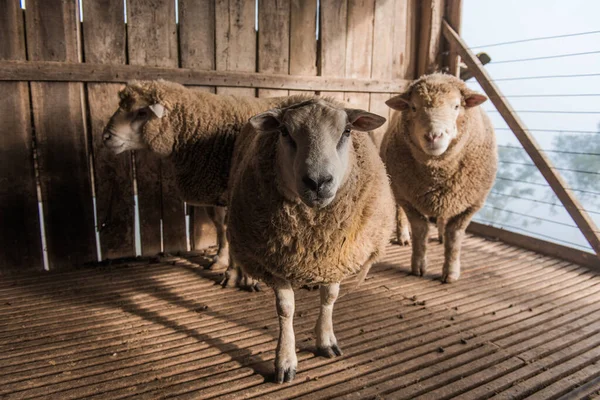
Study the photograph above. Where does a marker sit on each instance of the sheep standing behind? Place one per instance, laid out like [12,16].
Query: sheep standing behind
[310,203]
[441,155]
[196,131]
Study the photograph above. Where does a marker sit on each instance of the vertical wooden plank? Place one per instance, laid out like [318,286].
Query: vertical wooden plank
[333,32]
[197,44]
[53,35]
[405,39]
[453,16]
[273,41]
[19,225]
[359,47]
[303,40]
[104,43]
[235,41]
[430,37]
[152,40]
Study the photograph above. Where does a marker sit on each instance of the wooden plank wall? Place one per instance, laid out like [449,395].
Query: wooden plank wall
[357,39]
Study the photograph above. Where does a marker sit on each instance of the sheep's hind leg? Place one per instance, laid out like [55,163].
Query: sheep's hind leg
[286,361]
[402,231]
[420,231]
[235,276]
[218,217]
[453,236]
[326,342]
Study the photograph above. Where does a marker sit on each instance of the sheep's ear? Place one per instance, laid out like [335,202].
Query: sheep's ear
[400,102]
[266,122]
[364,121]
[157,109]
[473,98]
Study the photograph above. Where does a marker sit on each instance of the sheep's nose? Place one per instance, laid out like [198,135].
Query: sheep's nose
[431,137]
[317,185]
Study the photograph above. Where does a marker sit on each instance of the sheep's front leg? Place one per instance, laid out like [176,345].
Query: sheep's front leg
[453,236]
[420,232]
[218,216]
[326,342]
[402,231]
[285,357]
[441,226]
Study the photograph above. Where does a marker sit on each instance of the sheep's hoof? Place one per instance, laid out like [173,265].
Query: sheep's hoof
[217,265]
[403,239]
[285,374]
[419,270]
[330,351]
[230,278]
[449,278]
[249,284]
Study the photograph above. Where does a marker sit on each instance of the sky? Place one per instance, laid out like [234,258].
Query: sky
[486,22]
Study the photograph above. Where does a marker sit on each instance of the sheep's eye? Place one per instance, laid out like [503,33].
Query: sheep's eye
[284,132]
[413,108]
[346,132]
[142,113]
[456,107]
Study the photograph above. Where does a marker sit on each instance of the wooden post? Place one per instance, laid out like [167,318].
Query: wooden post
[20,243]
[430,43]
[104,43]
[303,40]
[332,52]
[530,145]
[273,41]
[453,16]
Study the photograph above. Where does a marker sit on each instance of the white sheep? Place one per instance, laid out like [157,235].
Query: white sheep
[309,204]
[196,131]
[441,154]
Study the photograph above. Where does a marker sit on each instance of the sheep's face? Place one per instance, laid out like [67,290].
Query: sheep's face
[433,113]
[124,130]
[314,147]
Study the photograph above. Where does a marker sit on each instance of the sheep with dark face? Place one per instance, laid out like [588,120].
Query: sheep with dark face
[196,131]
[441,154]
[309,204]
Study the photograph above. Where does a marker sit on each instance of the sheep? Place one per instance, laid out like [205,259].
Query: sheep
[196,132]
[441,154]
[309,204]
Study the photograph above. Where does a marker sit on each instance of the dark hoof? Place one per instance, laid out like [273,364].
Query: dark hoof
[285,375]
[330,352]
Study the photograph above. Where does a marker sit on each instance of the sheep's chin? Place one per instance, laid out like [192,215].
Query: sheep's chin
[316,202]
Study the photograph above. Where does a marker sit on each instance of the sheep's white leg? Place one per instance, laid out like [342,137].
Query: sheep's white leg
[286,361]
[441,226]
[453,236]
[218,216]
[402,231]
[420,232]
[326,342]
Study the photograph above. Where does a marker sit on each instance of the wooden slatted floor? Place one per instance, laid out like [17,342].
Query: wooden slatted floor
[517,325]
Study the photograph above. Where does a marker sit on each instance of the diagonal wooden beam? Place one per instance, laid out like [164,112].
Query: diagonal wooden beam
[569,201]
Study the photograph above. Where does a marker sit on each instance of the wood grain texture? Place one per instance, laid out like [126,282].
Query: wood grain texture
[454,18]
[333,31]
[19,228]
[69,72]
[273,41]
[404,63]
[235,41]
[61,138]
[543,163]
[104,33]
[430,37]
[197,44]
[303,41]
[359,47]
[152,40]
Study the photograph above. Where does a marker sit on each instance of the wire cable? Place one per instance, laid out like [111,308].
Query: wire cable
[541,201]
[502,225]
[549,130]
[521,78]
[556,168]
[545,185]
[548,111]
[493,62]
[549,95]
[551,151]
[531,216]
[536,39]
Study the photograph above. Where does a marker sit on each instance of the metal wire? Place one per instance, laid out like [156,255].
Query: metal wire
[531,216]
[550,95]
[551,151]
[549,111]
[544,57]
[502,225]
[548,130]
[536,39]
[546,185]
[556,168]
[541,201]
[521,78]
